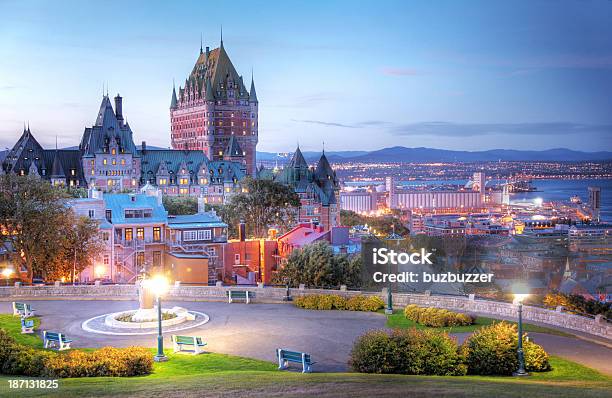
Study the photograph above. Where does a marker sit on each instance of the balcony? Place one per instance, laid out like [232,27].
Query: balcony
[134,243]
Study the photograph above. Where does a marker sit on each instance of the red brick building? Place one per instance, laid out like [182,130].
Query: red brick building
[214,112]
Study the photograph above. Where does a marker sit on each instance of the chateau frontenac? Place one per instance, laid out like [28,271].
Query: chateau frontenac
[214,112]
[214,134]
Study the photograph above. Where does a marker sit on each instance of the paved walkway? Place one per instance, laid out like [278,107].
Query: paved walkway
[256,330]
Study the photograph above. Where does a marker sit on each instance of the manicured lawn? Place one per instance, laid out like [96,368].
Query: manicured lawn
[398,320]
[218,375]
[13,325]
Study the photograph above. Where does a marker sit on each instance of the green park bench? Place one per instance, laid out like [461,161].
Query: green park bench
[57,340]
[27,326]
[195,344]
[240,294]
[22,309]
[286,356]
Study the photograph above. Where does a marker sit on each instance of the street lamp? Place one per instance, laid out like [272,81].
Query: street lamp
[7,272]
[518,299]
[158,285]
[397,238]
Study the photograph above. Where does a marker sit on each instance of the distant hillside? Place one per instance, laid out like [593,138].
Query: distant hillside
[403,154]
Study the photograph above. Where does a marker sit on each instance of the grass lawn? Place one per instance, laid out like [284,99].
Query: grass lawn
[218,375]
[398,320]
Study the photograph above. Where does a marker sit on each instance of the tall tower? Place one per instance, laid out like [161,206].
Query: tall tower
[213,107]
[595,202]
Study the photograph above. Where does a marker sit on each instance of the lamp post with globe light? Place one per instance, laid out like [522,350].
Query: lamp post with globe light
[158,285]
[518,299]
[7,272]
[397,238]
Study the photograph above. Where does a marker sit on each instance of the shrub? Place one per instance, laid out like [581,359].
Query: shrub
[18,359]
[436,317]
[492,350]
[372,304]
[336,302]
[339,302]
[407,352]
[325,302]
[107,361]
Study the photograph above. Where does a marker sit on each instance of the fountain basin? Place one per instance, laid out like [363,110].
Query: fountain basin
[148,320]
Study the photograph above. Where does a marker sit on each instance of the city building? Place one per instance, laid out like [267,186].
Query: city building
[595,202]
[214,112]
[139,236]
[318,189]
[108,159]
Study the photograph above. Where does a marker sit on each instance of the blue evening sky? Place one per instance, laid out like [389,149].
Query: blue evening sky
[358,75]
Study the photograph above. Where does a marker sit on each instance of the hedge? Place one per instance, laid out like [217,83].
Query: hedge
[18,359]
[336,302]
[437,317]
[413,352]
[492,350]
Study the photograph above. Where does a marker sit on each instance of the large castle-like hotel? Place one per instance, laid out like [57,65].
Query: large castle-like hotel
[214,134]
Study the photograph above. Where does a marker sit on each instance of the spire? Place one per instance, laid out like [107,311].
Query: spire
[57,171]
[201,43]
[174,101]
[221,36]
[253,93]
[209,91]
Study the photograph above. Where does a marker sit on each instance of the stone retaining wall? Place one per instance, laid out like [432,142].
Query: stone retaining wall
[597,326]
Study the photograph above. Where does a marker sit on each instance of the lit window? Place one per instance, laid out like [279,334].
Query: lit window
[105,161]
[113,151]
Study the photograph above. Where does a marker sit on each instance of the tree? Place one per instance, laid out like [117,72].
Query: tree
[180,206]
[32,213]
[82,245]
[385,224]
[263,204]
[315,265]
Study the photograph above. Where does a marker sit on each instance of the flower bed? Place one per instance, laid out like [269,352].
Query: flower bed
[336,302]
[437,317]
[18,359]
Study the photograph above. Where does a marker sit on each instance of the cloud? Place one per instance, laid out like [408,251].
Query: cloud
[390,71]
[7,87]
[479,129]
[328,124]
[358,125]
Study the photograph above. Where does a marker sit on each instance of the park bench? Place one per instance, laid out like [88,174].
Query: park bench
[188,341]
[22,309]
[286,356]
[58,340]
[240,294]
[27,326]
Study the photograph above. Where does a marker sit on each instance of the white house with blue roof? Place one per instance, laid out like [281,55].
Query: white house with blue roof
[140,236]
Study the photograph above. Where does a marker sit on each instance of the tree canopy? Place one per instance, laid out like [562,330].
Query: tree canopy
[315,265]
[262,204]
[43,234]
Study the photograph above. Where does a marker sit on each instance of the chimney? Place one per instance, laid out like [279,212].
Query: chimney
[119,107]
[144,147]
[242,231]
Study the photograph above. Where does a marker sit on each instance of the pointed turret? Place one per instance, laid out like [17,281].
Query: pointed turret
[57,171]
[298,160]
[253,94]
[210,96]
[174,102]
